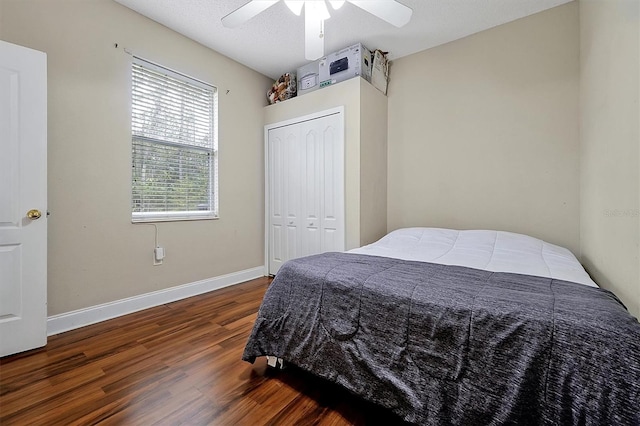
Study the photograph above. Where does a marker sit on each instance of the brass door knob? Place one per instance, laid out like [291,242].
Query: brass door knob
[34,214]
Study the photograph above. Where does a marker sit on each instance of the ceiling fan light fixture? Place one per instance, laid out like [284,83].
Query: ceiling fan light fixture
[295,6]
[317,10]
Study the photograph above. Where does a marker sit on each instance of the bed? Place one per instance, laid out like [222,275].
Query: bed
[458,327]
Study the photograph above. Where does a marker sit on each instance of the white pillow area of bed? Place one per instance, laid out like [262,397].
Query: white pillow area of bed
[495,251]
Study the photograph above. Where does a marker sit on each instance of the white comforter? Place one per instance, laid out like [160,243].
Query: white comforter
[495,251]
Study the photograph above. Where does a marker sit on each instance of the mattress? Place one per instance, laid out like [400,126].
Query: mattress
[495,251]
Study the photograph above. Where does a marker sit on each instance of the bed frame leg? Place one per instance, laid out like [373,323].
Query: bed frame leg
[275,362]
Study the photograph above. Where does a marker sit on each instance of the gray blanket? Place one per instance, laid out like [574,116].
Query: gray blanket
[443,345]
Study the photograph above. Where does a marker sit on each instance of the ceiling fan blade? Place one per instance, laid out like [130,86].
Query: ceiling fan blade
[246,12]
[391,11]
[313,38]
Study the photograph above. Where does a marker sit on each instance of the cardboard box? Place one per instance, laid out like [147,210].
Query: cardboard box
[308,78]
[345,64]
[380,71]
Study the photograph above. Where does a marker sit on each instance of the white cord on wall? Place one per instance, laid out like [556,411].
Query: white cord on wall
[156,227]
[158,252]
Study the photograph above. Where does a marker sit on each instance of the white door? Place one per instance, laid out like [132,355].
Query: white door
[305,212]
[291,174]
[323,187]
[275,216]
[284,197]
[312,182]
[23,199]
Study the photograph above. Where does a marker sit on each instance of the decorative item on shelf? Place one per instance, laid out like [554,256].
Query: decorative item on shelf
[284,88]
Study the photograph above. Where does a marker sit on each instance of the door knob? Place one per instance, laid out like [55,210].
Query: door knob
[34,214]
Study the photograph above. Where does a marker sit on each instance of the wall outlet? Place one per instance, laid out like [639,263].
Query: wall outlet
[158,255]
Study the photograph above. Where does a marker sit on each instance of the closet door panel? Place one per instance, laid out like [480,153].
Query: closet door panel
[277,244]
[332,221]
[291,171]
[312,188]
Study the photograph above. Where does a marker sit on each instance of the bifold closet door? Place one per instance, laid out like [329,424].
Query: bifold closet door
[322,227]
[306,189]
[284,195]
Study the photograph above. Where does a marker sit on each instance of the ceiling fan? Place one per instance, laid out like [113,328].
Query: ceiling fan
[316,12]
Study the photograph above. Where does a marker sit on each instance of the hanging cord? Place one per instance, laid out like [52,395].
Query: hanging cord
[156,232]
[156,228]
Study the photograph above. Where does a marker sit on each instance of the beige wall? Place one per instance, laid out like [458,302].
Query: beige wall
[483,131]
[373,164]
[95,254]
[610,140]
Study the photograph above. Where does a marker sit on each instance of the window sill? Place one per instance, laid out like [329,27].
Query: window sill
[177,218]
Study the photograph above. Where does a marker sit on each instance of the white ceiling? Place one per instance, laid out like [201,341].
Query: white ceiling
[272,43]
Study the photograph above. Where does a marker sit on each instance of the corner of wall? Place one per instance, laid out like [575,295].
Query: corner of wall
[373,163]
[610,146]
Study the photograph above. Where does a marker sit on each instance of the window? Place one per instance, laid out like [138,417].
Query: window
[174,145]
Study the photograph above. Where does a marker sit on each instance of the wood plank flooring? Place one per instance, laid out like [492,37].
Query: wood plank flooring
[178,363]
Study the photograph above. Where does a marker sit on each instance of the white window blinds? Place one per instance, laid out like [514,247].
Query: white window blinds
[174,145]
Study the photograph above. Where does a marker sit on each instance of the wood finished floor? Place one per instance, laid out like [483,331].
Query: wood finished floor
[174,364]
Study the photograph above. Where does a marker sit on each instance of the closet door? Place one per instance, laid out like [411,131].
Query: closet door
[305,194]
[323,185]
[276,216]
[332,212]
[312,182]
[284,195]
[292,194]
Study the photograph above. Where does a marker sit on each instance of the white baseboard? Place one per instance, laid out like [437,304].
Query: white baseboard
[75,319]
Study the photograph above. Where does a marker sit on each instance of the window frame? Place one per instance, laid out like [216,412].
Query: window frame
[164,216]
